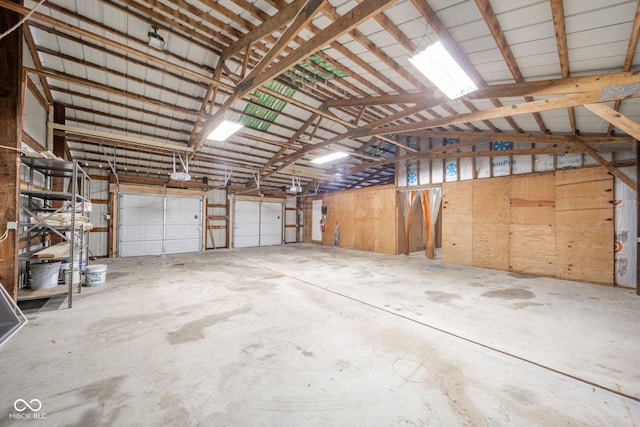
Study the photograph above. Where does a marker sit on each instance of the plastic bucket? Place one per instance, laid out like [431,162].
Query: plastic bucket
[62,274]
[45,276]
[64,271]
[95,275]
[76,274]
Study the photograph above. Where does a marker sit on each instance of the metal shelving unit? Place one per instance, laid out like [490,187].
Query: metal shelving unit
[39,204]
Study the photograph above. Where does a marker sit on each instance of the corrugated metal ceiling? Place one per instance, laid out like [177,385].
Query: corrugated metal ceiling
[112,81]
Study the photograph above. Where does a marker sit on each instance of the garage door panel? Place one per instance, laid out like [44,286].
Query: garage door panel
[182,245]
[246,241]
[182,233]
[140,248]
[257,223]
[247,230]
[157,224]
[183,217]
[138,216]
[183,203]
[271,239]
[247,212]
[271,224]
[141,233]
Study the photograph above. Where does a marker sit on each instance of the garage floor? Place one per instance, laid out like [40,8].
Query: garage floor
[306,335]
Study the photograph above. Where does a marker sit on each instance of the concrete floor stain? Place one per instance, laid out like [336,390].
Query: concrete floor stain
[441,297]
[510,293]
[194,331]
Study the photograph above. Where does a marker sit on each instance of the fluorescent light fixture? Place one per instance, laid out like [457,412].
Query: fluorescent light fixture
[224,130]
[440,67]
[330,157]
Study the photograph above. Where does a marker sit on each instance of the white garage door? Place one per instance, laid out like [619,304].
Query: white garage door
[271,224]
[257,223]
[151,224]
[183,224]
[246,224]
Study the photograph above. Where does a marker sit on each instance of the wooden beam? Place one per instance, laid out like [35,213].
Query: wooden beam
[509,90]
[105,89]
[110,52]
[268,27]
[153,16]
[10,137]
[113,137]
[557,10]
[617,119]
[35,91]
[533,138]
[454,50]
[505,49]
[123,75]
[436,153]
[347,22]
[631,51]
[505,111]
[114,103]
[405,98]
[31,44]
[306,13]
[292,140]
[566,101]
[358,36]
[557,86]
[106,41]
[607,165]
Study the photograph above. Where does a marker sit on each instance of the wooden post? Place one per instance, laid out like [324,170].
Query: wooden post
[58,148]
[10,137]
[637,219]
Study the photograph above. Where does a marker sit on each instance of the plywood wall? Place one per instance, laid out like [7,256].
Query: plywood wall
[368,219]
[533,231]
[491,219]
[457,222]
[584,225]
[554,224]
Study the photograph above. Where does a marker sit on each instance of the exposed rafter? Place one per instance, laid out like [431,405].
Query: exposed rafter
[498,35]
[338,78]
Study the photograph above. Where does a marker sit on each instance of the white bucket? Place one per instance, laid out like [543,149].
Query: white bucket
[76,274]
[62,274]
[64,271]
[45,276]
[95,275]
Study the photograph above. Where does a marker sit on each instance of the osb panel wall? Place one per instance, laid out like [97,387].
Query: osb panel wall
[457,222]
[584,225]
[533,231]
[554,224]
[368,219]
[491,218]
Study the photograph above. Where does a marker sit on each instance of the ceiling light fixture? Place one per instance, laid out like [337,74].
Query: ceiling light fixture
[224,130]
[155,40]
[330,157]
[439,66]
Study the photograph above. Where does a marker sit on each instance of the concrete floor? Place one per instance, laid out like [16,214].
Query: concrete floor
[307,335]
